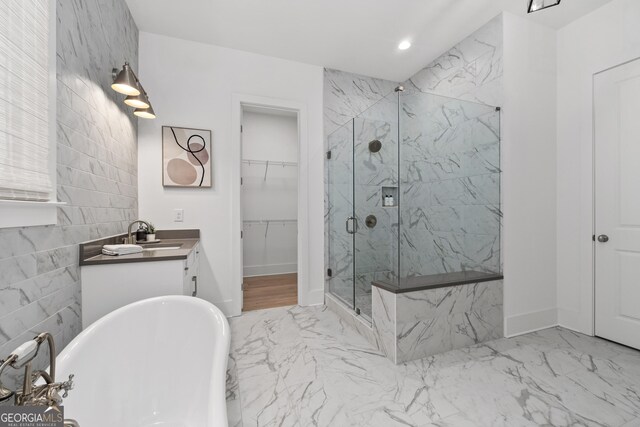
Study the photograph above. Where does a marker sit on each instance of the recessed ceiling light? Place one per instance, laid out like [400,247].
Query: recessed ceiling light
[404,45]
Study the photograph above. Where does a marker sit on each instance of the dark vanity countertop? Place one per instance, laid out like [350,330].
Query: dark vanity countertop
[434,281]
[91,252]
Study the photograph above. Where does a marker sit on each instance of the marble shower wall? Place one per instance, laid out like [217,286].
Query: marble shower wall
[450,186]
[374,103]
[348,95]
[472,70]
[450,159]
[96,175]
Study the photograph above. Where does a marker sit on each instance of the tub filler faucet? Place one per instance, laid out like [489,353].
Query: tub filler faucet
[34,393]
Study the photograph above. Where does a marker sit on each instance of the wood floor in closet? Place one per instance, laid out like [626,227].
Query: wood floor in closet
[262,292]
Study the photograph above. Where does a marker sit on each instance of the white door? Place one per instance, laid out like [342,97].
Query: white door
[617,199]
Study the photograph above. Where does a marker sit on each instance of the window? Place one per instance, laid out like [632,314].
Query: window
[27,113]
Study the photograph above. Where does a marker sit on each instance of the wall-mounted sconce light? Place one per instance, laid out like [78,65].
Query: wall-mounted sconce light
[145,113]
[138,101]
[536,5]
[126,82]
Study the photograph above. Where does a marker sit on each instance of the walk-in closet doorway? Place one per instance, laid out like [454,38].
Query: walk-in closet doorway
[269,205]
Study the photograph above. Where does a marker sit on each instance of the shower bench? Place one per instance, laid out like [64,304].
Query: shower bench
[426,315]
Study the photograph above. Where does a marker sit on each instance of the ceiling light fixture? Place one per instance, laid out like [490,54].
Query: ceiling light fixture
[537,5]
[404,45]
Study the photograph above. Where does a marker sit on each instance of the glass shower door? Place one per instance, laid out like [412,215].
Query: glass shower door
[363,204]
[376,198]
[341,224]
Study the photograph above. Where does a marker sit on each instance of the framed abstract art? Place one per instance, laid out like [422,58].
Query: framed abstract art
[186,157]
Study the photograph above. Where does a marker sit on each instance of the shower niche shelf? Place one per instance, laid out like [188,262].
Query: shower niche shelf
[390,191]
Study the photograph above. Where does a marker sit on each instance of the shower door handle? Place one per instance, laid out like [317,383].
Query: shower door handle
[354,229]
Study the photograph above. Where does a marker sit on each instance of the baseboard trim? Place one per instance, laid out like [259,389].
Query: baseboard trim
[227,307]
[530,322]
[575,321]
[269,270]
[314,297]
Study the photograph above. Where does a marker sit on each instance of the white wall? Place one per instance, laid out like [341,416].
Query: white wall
[193,85]
[269,248]
[269,136]
[529,175]
[607,37]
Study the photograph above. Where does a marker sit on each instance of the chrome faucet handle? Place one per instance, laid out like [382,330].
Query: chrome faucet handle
[49,394]
[67,385]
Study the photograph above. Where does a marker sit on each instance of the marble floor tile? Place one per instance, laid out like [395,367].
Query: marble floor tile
[234,413]
[304,366]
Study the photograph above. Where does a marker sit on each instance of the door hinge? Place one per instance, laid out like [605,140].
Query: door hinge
[593,237]
[329,272]
[329,155]
[241,129]
[241,234]
[241,181]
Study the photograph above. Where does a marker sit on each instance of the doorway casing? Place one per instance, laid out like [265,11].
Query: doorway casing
[240,101]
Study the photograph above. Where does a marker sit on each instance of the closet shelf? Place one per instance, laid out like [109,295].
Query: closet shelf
[268,163]
[268,222]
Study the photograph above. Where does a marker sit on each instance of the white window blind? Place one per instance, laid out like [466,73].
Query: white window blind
[24,100]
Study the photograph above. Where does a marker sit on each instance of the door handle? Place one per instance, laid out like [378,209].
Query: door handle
[353,230]
[194,279]
[603,238]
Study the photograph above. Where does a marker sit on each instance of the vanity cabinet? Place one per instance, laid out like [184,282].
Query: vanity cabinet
[190,273]
[107,287]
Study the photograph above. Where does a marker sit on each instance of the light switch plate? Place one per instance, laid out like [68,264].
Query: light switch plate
[178,215]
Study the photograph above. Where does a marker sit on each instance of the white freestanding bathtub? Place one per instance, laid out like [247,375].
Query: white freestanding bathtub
[158,362]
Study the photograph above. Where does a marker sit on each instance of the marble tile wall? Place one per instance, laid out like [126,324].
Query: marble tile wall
[472,70]
[450,159]
[96,175]
[450,186]
[415,325]
[348,95]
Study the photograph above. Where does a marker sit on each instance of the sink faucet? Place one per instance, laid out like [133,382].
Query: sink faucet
[32,393]
[131,238]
